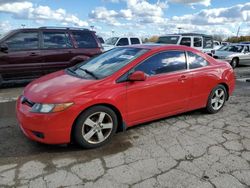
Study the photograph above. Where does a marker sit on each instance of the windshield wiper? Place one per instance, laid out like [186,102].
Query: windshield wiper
[70,70]
[89,72]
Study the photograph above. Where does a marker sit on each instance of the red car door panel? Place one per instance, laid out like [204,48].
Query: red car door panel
[158,95]
[204,81]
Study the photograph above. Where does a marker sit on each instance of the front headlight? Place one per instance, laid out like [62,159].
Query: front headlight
[49,108]
[224,57]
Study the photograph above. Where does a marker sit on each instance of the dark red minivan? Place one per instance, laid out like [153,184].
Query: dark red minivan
[26,54]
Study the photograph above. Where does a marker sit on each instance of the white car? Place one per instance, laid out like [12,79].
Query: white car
[120,41]
[234,54]
[201,42]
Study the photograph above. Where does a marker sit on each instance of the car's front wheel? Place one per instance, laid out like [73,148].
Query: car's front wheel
[234,63]
[216,99]
[95,127]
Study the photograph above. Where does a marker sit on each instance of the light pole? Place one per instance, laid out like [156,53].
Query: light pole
[23,25]
[238,31]
[113,32]
[92,27]
[179,29]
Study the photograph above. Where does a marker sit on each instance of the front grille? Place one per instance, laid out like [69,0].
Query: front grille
[26,101]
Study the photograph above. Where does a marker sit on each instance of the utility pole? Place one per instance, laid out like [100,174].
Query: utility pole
[238,32]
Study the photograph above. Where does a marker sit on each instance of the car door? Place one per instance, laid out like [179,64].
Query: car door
[186,41]
[197,43]
[56,50]
[166,89]
[23,58]
[245,55]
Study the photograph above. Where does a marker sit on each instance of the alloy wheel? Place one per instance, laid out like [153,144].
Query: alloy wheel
[97,127]
[218,99]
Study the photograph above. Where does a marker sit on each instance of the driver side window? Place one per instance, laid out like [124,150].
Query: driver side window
[23,41]
[163,62]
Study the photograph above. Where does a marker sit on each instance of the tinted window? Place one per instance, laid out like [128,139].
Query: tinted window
[135,41]
[232,48]
[186,41]
[168,40]
[197,42]
[196,61]
[22,41]
[84,39]
[163,62]
[122,42]
[56,40]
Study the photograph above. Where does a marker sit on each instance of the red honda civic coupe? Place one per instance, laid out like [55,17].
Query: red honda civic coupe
[90,102]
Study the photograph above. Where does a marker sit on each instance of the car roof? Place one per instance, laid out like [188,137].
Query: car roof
[53,28]
[187,34]
[239,44]
[152,46]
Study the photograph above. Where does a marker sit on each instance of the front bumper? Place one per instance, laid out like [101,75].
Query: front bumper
[53,128]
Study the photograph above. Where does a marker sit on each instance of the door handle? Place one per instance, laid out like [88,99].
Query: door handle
[33,54]
[182,78]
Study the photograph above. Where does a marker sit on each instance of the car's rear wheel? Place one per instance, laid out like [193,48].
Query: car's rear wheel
[217,99]
[235,62]
[95,127]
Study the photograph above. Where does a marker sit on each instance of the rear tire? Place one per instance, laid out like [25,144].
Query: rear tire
[216,99]
[95,127]
[234,63]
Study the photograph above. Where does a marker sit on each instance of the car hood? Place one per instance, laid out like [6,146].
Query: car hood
[224,53]
[57,87]
[107,47]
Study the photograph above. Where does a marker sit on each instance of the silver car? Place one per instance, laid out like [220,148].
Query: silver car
[235,54]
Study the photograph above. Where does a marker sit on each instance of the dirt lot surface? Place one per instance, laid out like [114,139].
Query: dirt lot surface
[188,150]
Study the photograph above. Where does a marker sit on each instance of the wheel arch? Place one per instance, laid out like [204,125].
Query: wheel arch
[227,88]
[121,124]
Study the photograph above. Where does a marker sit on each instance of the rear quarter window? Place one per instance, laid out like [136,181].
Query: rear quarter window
[196,61]
[84,39]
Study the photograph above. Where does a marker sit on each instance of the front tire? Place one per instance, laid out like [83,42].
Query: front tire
[234,63]
[216,99]
[95,127]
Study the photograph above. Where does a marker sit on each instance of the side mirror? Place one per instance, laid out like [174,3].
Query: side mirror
[3,48]
[137,76]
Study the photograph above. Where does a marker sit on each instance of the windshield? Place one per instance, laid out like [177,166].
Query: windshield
[168,40]
[107,63]
[4,34]
[111,41]
[232,48]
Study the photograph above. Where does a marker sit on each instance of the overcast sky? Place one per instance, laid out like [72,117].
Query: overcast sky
[137,17]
